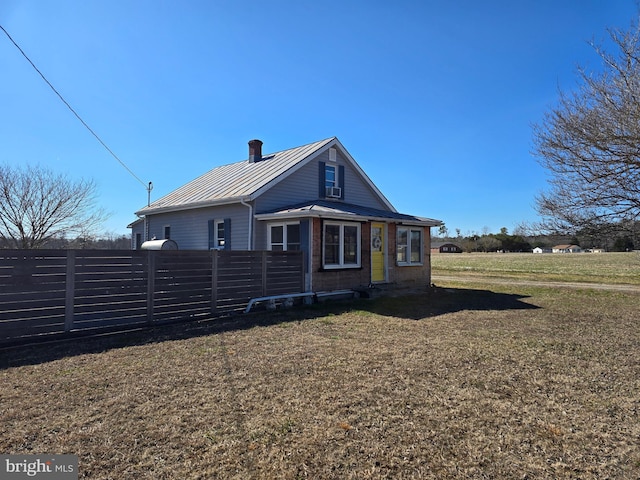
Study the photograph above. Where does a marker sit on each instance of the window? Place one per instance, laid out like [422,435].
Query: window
[220,234]
[138,241]
[219,230]
[330,176]
[284,237]
[409,246]
[167,231]
[332,180]
[341,248]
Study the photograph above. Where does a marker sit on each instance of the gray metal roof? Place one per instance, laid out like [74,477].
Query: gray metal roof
[235,181]
[345,211]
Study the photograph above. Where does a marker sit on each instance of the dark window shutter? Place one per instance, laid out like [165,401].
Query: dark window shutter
[341,181]
[305,242]
[227,234]
[323,192]
[304,236]
[212,234]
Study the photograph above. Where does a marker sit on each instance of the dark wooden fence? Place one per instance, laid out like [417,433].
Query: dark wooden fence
[55,293]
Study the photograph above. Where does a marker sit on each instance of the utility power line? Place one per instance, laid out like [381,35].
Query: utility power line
[147,187]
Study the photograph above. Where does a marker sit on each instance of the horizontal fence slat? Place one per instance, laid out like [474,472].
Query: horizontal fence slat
[31,327]
[120,306]
[25,312]
[111,288]
[27,294]
[99,323]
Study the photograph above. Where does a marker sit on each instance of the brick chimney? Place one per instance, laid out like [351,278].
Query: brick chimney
[255,151]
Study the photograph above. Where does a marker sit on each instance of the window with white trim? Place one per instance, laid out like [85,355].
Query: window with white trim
[330,176]
[332,180]
[284,236]
[220,234]
[341,245]
[409,246]
[217,234]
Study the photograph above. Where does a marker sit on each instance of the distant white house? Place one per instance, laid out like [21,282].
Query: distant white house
[541,250]
[566,249]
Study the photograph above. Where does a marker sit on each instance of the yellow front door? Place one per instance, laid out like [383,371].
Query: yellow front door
[378,272]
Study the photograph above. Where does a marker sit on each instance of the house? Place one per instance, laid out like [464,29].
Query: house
[566,249]
[542,250]
[314,198]
[445,247]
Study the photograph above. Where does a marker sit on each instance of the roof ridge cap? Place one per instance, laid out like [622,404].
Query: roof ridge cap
[323,141]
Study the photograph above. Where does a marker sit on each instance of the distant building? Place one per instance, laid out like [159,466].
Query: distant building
[566,249]
[445,247]
[541,250]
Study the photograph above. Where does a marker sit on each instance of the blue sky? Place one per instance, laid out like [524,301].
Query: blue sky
[434,99]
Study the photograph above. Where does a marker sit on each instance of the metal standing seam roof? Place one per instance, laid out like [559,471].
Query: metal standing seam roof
[233,181]
[345,211]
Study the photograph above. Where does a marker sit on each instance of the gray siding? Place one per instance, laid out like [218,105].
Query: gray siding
[357,190]
[190,228]
[303,185]
[135,229]
[261,235]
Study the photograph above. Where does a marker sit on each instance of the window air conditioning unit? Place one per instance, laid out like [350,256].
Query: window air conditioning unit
[334,192]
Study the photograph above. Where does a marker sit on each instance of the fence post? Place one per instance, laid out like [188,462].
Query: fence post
[151,283]
[264,273]
[214,280]
[303,271]
[70,290]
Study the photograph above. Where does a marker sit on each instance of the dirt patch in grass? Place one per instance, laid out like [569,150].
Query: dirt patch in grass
[516,382]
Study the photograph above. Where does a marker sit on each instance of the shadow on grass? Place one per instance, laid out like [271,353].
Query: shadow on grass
[446,300]
[414,306]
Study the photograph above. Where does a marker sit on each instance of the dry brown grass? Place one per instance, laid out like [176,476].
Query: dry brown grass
[520,382]
[610,268]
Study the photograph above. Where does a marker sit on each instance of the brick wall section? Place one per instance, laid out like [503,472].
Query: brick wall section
[324,280]
[409,276]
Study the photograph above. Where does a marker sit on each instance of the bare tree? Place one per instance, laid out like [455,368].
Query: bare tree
[37,204]
[590,143]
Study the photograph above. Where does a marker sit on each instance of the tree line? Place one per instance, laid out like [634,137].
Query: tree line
[618,238]
[106,241]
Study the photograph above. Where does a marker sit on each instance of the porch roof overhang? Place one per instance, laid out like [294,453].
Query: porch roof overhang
[345,211]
